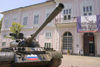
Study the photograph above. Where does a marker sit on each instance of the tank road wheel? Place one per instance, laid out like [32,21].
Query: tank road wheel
[54,63]
[5,64]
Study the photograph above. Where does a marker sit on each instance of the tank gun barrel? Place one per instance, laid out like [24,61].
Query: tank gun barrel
[49,19]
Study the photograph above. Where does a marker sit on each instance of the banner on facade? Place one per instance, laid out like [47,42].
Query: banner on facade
[88,23]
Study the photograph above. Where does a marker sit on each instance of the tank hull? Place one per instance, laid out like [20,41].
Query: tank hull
[29,57]
[7,56]
[27,64]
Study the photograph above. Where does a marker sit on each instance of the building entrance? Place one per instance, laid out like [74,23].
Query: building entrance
[67,42]
[89,46]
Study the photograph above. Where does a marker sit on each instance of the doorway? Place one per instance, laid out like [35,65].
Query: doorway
[89,44]
[67,42]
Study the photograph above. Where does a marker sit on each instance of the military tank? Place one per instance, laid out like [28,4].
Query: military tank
[26,52]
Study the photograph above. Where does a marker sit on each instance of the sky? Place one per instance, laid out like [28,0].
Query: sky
[6,5]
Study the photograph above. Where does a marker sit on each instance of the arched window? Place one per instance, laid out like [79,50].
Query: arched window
[67,40]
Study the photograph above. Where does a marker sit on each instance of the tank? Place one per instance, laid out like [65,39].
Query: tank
[26,52]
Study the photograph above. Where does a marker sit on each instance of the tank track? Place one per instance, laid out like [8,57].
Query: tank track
[5,64]
[54,63]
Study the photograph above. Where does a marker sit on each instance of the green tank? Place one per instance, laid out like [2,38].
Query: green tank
[28,53]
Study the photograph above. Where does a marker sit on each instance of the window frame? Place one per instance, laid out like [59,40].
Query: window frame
[67,45]
[47,45]
[4,35]
[6,22]
[36,18]
[25,20]
[87,12]
[48,34]
[67,13]
[25,15]
[14,18]
[48,16]
[4,44]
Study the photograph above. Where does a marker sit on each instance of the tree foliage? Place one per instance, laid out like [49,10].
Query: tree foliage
[15,27]
[1,23]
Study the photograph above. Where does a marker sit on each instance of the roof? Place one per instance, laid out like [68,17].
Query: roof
[49,0]
[28,6]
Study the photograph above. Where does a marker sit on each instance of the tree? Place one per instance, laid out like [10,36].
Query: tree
[16,27]
[1,23]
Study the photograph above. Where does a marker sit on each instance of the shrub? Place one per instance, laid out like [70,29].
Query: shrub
[68,51]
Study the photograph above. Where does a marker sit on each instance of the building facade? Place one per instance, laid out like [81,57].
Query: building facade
[61,33]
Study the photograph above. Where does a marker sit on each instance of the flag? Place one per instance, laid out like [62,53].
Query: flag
[88,23]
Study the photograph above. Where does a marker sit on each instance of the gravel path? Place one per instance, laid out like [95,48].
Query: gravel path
[80,61]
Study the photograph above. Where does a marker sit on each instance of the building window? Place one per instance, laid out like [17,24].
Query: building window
[67,14]
[87,10]
[36,19]
[48,35]
[14,18]
[47,45]
[25,20]
[3,43]
[6,23]
[4,35]
[67,41]
[47,15]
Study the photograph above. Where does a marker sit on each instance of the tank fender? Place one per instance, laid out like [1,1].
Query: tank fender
[7,56]
[55,54]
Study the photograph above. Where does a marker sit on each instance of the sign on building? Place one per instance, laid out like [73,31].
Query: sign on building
[88,23]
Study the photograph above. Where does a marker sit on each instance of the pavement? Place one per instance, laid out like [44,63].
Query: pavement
[80,61]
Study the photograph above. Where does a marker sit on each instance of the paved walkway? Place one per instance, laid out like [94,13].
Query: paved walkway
[80,61]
